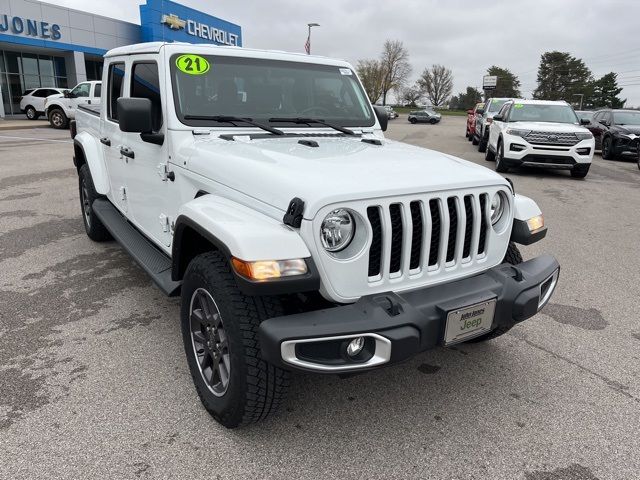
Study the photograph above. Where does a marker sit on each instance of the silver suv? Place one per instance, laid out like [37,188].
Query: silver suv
[491,108]
[424,116]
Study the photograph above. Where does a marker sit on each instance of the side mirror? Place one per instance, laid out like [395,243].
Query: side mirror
[584,121]
[381,114]
[66,94]
[498,118]
[469,112]
[134,115]
[604,122]
[480,111]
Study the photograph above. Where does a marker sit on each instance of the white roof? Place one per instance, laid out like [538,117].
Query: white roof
[211,49]
[540,102]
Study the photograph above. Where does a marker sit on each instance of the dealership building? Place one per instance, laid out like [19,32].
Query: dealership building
[44,45]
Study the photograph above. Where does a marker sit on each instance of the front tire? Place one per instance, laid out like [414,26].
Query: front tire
[580,171]
[413,121]
[607,149]
[58,119]
[482,145]
[433,121]
[489,155]
[96,231]
[220,335]
[501,166]
[513,257]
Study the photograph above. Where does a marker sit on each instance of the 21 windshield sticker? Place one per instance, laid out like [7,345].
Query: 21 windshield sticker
[192,64]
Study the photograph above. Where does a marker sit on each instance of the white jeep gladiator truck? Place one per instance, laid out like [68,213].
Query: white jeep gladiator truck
[259,186]
[60,109]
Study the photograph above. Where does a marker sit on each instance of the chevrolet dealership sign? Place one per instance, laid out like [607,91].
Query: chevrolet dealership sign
[202,30]
[167,21]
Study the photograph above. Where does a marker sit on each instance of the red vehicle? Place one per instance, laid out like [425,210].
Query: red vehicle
[471,122]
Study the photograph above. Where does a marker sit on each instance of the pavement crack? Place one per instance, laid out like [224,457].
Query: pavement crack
[612,384]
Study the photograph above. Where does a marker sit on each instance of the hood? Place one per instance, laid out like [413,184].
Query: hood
[275,170]
[629,129]
[549,127]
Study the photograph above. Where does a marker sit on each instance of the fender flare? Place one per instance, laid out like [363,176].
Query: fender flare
[239,231]
[525,208]
[93,156]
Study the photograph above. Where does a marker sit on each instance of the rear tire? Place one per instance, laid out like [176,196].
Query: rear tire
[58,119]
[580,171]
[512,257]
[31,113]
[433,121]
[96,231]
[254,388]
[474,139]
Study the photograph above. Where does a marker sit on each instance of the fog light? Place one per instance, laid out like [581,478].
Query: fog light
[355,346]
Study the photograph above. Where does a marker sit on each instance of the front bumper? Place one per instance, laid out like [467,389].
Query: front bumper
[518,152]
[398,326]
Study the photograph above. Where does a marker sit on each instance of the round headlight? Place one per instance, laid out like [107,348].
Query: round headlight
[497,207]
[337,230]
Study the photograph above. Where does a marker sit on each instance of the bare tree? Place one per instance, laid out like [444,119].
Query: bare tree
[437,83]
[395,65]
[371,76]
[410,95]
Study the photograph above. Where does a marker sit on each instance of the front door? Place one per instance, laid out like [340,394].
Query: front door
[150,190]
[111,139]
[80,95]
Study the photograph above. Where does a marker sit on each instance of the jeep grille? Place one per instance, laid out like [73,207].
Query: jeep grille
[426,234]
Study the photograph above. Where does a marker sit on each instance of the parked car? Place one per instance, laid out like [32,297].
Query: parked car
[59,109]
[391,112]
[472,114]
[539,133]
[485,118]
[616,132]
[277,272]
[585,114]
[33,100]
[424,116]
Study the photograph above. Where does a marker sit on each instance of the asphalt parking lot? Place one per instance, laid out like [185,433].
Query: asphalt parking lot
[94,384]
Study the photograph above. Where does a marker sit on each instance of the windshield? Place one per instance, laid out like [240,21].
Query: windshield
[495,105]
[626,118]
[582,115]
[542,113]
[210,85]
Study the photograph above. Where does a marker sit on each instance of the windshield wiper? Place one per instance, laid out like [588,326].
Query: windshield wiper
[309,121]
[233,120]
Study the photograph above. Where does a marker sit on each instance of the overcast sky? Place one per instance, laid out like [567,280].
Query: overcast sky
[466,36]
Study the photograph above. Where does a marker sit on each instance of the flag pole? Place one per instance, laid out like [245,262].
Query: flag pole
[307,46]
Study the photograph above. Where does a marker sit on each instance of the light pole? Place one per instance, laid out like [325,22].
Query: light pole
[307,46]
[581,95]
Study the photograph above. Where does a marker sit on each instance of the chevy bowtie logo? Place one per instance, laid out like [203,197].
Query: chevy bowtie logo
[173,21]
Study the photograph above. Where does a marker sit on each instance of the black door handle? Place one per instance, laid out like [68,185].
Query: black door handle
[89,102]
[127,152]
[105,141]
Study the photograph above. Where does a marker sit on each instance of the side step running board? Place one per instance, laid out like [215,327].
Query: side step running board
[156,263]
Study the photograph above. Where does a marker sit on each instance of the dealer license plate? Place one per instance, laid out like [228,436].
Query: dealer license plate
[469,322]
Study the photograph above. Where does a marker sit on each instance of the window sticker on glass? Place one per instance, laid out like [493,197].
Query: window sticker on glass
[518,105]
[345,71]
[192,64]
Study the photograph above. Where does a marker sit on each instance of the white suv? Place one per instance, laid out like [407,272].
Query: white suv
[32,102]
[540,133]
